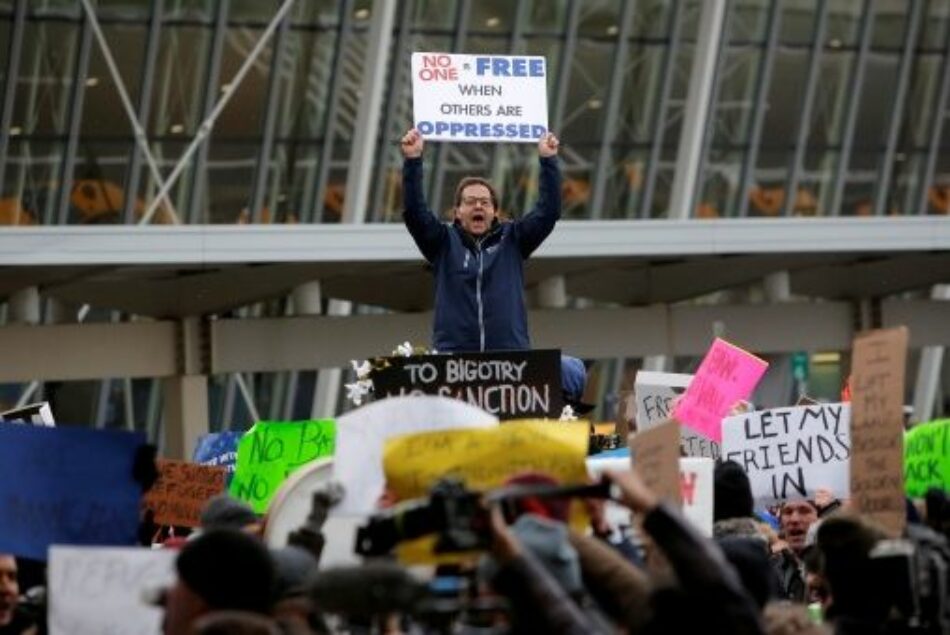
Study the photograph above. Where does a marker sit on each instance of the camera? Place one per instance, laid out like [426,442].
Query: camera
[457,515]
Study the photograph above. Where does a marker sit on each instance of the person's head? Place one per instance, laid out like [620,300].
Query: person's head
[750,558]
[732,493]
[222,569]
[843,547]
[574,384]
[476,205]
[226,512]
[795,517]
[9,588]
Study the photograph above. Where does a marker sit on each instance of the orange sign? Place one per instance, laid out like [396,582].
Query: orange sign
[181,491]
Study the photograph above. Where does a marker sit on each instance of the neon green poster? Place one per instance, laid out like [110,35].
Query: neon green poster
[271,450]
[927,457]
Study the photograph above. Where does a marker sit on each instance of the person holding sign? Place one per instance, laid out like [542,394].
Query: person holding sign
[478,260]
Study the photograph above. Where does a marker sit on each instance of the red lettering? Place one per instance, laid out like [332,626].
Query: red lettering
[687,487]
[438,74]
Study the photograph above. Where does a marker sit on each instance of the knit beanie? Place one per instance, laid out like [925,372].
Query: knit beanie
[228,569]
[732,494]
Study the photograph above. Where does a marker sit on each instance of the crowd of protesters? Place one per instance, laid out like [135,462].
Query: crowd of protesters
[808,566]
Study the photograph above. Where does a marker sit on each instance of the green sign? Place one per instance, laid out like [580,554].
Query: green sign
[271,450]
[927,457]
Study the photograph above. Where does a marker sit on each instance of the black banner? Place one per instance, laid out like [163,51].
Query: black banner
[509,385]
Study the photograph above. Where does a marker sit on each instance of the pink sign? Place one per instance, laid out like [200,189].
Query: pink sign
[728,374]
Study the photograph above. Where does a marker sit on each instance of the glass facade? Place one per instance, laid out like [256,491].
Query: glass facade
[839,102]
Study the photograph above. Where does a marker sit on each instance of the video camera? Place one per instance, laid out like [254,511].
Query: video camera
[457,515]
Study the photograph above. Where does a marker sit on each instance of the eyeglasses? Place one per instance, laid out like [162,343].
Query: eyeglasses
[471,201]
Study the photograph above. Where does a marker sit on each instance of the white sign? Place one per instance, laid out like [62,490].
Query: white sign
[696,490]
[37,414]
[789,453]
[654,394]
[362,433]
[98,590]
[479,97]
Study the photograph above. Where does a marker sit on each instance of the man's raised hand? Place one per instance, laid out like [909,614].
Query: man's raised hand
[548,145]
[412,144]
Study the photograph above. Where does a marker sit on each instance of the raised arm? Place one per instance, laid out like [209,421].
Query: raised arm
[426,229]
[538,224]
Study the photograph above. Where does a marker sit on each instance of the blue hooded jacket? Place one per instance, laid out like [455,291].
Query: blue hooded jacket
[479,283]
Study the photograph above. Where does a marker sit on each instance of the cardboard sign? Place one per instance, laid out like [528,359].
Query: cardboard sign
[485,458]
[181,491]
[655,396]
[726,375]
[789,453]
[66,485]
[37,414]
[98,590]
[877,426]
[362,434]
[479,98]
[655,453]
[218,449]
[696,490]
[927,457]
[271,450]
[511,385]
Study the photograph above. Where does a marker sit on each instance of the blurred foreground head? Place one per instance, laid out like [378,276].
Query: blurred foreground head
[222,569]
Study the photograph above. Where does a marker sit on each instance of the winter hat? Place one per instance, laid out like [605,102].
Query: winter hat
[732,494]
[293,564]
[225,512]
[573,383]
[228,569]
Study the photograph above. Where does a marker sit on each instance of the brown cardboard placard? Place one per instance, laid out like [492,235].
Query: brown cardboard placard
[655,454]
[877,426]
[181,491]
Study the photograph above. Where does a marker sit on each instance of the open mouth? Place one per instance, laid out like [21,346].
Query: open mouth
[795,535]
[478,218]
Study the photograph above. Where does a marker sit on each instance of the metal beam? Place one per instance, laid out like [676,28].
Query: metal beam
[72,352]
[564,64]
[605,164]
[659,118]
[74,120]
[882,186]
[262,170]
[763,85]
[936,134]
[807,104]
[360,172]
[696,113]
[855,83]
[14,51]
[149,67]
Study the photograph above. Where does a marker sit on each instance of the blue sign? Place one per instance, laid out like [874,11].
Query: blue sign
[70,486]
[218,448]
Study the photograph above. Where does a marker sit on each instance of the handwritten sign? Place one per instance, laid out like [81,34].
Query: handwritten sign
[270,451]
[480,98]
[98,590]
[218,449]
[927,457]
[726,375]
[655,397]
[655,453]
[66,485]
[877,426]
[511,385]
[181,491]
[485,458]
[789,453]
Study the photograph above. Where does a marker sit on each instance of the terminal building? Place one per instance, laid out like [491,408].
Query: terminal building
[200,200]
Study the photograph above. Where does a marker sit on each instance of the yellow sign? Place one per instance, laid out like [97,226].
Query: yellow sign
[483,459]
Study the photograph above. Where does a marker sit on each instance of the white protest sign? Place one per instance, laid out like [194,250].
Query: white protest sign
[654,395]
[696,490]
[37,414]
[362,433]
[479,97]
[789,453]
[98,590]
